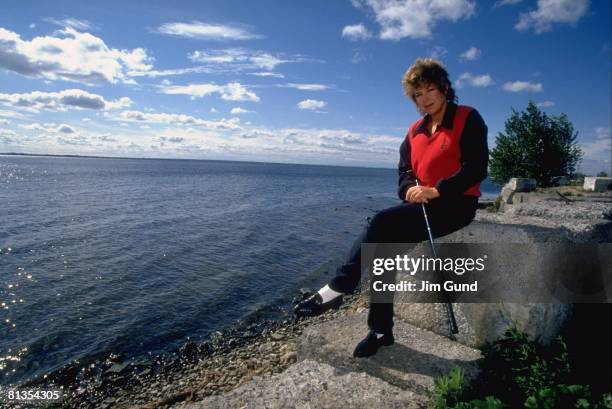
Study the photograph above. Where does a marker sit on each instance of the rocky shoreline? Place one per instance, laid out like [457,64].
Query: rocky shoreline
[221,363]
[262,348]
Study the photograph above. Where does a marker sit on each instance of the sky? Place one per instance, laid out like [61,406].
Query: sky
[315,82]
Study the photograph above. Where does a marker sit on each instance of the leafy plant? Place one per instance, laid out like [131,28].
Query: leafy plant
[449,389]
[516,372]
[450,393]
[516,368]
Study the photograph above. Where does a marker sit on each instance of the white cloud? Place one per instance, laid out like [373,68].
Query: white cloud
[177,135]
[7,137]
[438,52]
[241,58]
[484,80]
[49,128]
[356,32]
[175,139]
[63,128]
[204,31]
[70,56]
[177,119]
[213,110]
[268,74]
[171,72]
[470,54]
[12,114]
[520,86]
[551,12]
[415,18]
[239,111]
[4,121]
[358,56]
[311,104]
[230,60]
[599,149]
[232,91]
[500,3]
[266,61]
[545,104]
[305,87]
[63,100]
[75,140]
[75,23]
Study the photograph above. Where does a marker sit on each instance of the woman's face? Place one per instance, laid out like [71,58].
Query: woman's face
[429,99]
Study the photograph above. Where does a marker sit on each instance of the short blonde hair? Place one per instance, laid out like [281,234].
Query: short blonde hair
[430,71]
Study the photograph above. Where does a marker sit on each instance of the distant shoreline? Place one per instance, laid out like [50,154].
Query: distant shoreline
[33,155]
[486,195]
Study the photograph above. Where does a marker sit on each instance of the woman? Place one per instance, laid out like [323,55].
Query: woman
[446,151]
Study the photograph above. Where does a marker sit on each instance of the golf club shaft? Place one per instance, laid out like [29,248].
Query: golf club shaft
[452,322]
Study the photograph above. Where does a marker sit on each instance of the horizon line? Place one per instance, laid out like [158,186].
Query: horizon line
[191,159]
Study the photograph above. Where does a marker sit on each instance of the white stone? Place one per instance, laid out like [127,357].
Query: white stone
[521,184]
[597,184]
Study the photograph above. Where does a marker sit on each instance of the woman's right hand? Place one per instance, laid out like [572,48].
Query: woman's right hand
[421,194]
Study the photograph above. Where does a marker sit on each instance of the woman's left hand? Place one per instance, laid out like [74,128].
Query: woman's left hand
[421,194]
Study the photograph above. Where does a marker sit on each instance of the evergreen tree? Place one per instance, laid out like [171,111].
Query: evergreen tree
[536,146]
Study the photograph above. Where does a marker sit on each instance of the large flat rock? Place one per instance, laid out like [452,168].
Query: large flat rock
[310,384]
[412,363]
[536,267]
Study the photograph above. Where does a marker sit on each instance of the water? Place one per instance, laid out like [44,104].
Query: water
[137,256]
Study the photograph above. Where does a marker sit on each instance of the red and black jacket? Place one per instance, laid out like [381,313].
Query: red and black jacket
[454,159]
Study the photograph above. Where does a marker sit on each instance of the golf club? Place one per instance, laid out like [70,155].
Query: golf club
[452,323]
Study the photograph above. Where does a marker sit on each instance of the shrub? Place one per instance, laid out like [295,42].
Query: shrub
[535,145]
[515,373]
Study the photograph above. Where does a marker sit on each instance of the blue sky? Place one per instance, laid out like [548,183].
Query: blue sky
[299,82]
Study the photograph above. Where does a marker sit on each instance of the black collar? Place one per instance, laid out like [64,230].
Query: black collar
[447,121]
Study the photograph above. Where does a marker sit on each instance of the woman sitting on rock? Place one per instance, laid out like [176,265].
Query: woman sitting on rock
[446,152]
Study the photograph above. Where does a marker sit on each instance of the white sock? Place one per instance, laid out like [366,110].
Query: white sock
[328,294]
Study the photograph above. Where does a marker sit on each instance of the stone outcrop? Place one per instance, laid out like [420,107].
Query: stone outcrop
[514,186]
[521,184]
[597,184]
[327,376]
[312,384]
[402,375]
[412,363]
[545,222]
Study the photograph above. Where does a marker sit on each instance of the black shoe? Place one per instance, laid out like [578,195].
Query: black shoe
[370,344]
[314,305]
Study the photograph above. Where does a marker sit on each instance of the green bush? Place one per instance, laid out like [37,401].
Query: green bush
[515,373]
[606,402]
[450,393]
[449,389]
[517,368]
[534,145]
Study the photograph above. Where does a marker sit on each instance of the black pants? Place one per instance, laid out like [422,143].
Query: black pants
[401,224]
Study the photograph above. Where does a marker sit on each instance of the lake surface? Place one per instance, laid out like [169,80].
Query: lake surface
[137,256]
